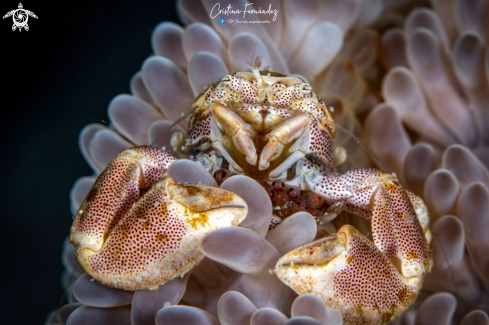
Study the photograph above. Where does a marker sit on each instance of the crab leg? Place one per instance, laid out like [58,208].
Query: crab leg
[136,230]
[234,126]
[283,134]
[312,140]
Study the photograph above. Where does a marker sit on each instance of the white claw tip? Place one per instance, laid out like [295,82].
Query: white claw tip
[331,108]
[167,304]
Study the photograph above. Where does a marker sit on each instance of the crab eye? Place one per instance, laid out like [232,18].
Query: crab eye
[305,87]
[226,79]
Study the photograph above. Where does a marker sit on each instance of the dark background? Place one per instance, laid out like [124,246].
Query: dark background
[73,60]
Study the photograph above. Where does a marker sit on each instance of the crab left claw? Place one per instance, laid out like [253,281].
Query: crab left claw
[138,230]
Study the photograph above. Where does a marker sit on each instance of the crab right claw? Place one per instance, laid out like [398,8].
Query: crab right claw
[369,282]
[349,273]
[137,230]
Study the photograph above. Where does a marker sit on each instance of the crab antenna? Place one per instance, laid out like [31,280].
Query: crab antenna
[370,151]
[255,65]
[171,127]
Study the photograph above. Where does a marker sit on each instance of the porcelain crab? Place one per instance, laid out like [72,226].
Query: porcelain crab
[137,229]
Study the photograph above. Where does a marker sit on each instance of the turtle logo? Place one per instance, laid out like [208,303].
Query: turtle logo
[20,17]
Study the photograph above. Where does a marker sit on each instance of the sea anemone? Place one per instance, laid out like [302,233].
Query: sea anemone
[435,94]
[387,64]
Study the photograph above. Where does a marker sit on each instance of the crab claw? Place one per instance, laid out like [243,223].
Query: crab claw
[130,241]
[349,273]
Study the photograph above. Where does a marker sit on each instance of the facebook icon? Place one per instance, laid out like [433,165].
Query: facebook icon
[222,21]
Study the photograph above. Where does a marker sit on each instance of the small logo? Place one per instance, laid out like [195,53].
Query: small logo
[20,17]
[222,21]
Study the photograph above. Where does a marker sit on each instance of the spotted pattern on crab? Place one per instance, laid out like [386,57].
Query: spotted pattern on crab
[111,196]
[116,189]
[148,233]
[301,94]
[283,98]
[306,164]
[342,187]
[324,115]
[360,204]
[249,109]
[154,165]
[283,113]
[364,177]
[208,92]
[396,229]
[330,188]
[245,108]
[320,110]
[201,129]
[310,107]
[221,95]
[278,86]
[320,146]
[274,222]
[235,84]
[421,211]
[369,279]
[249,94]
[382,234]
[158,238]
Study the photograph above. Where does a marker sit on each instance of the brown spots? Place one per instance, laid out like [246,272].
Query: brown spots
[161,236]
[274,222]
[411,255]
[369,278]
[93,192]
[133,245]
[402,295]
